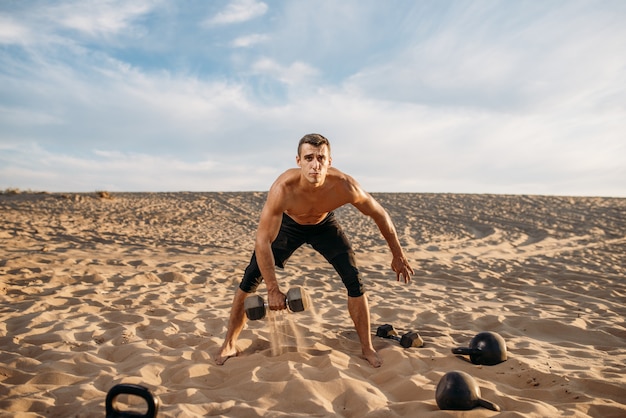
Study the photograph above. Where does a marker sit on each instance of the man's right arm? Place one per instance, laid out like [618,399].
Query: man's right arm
[269,226]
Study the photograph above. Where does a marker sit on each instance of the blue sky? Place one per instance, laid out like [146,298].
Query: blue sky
[415,96]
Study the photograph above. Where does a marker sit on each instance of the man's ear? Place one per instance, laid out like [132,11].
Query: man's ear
[298,160]
[330,161]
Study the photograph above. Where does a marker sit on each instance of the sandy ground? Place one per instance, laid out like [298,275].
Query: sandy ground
[137,289]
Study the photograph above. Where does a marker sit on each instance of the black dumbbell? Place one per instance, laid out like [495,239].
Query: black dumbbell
[297,301]
[410,339]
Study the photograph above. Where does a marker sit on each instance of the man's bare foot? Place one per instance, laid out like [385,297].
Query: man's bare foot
[373,358]
[225,353]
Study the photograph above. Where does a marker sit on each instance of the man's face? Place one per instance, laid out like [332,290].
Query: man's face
[314,162]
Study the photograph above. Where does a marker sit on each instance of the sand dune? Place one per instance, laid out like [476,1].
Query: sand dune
[137,289]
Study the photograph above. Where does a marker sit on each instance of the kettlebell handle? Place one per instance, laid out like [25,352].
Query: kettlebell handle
[489,405]
[129,389]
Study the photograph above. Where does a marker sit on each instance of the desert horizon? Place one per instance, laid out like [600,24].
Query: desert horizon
[110,193]
[101,288]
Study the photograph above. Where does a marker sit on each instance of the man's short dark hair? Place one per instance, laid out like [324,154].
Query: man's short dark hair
[316,140]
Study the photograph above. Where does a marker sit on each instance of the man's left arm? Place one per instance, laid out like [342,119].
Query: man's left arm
[369,206]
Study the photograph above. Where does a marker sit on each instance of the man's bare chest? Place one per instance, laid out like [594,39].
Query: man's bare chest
[307,211]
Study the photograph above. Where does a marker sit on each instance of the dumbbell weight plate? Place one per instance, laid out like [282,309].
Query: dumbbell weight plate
[297,299]
[386,331]
[254,306]
[411,339]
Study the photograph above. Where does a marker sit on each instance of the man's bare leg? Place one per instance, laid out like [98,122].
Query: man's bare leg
[235,324]
[360,314]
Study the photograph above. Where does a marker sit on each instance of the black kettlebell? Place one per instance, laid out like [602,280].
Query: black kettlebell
[486,348]
[128,389]
[459,391]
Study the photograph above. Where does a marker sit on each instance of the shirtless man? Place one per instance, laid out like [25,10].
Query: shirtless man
[298,210]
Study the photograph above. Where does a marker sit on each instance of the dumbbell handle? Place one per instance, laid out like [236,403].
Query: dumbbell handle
[267,306]
[393,337]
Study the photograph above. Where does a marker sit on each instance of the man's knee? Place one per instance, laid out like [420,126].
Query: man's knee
[345,265]
[248,287]
[251,277]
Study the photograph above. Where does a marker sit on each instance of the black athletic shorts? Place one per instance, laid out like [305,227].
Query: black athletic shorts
[326,237]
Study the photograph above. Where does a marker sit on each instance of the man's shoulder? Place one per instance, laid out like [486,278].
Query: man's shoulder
[341,178]
[347,186]
[287,178]
[284,185]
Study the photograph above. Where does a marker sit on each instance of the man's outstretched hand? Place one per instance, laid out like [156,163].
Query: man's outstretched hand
[402,268]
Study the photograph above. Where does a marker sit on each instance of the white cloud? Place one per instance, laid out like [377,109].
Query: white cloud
[296,73]
[119,171]
[47,24]
[98,18]
[472,103]
[238,11]
[27,117]
[249,40]
[554,59]
[12,32]
[386,146]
